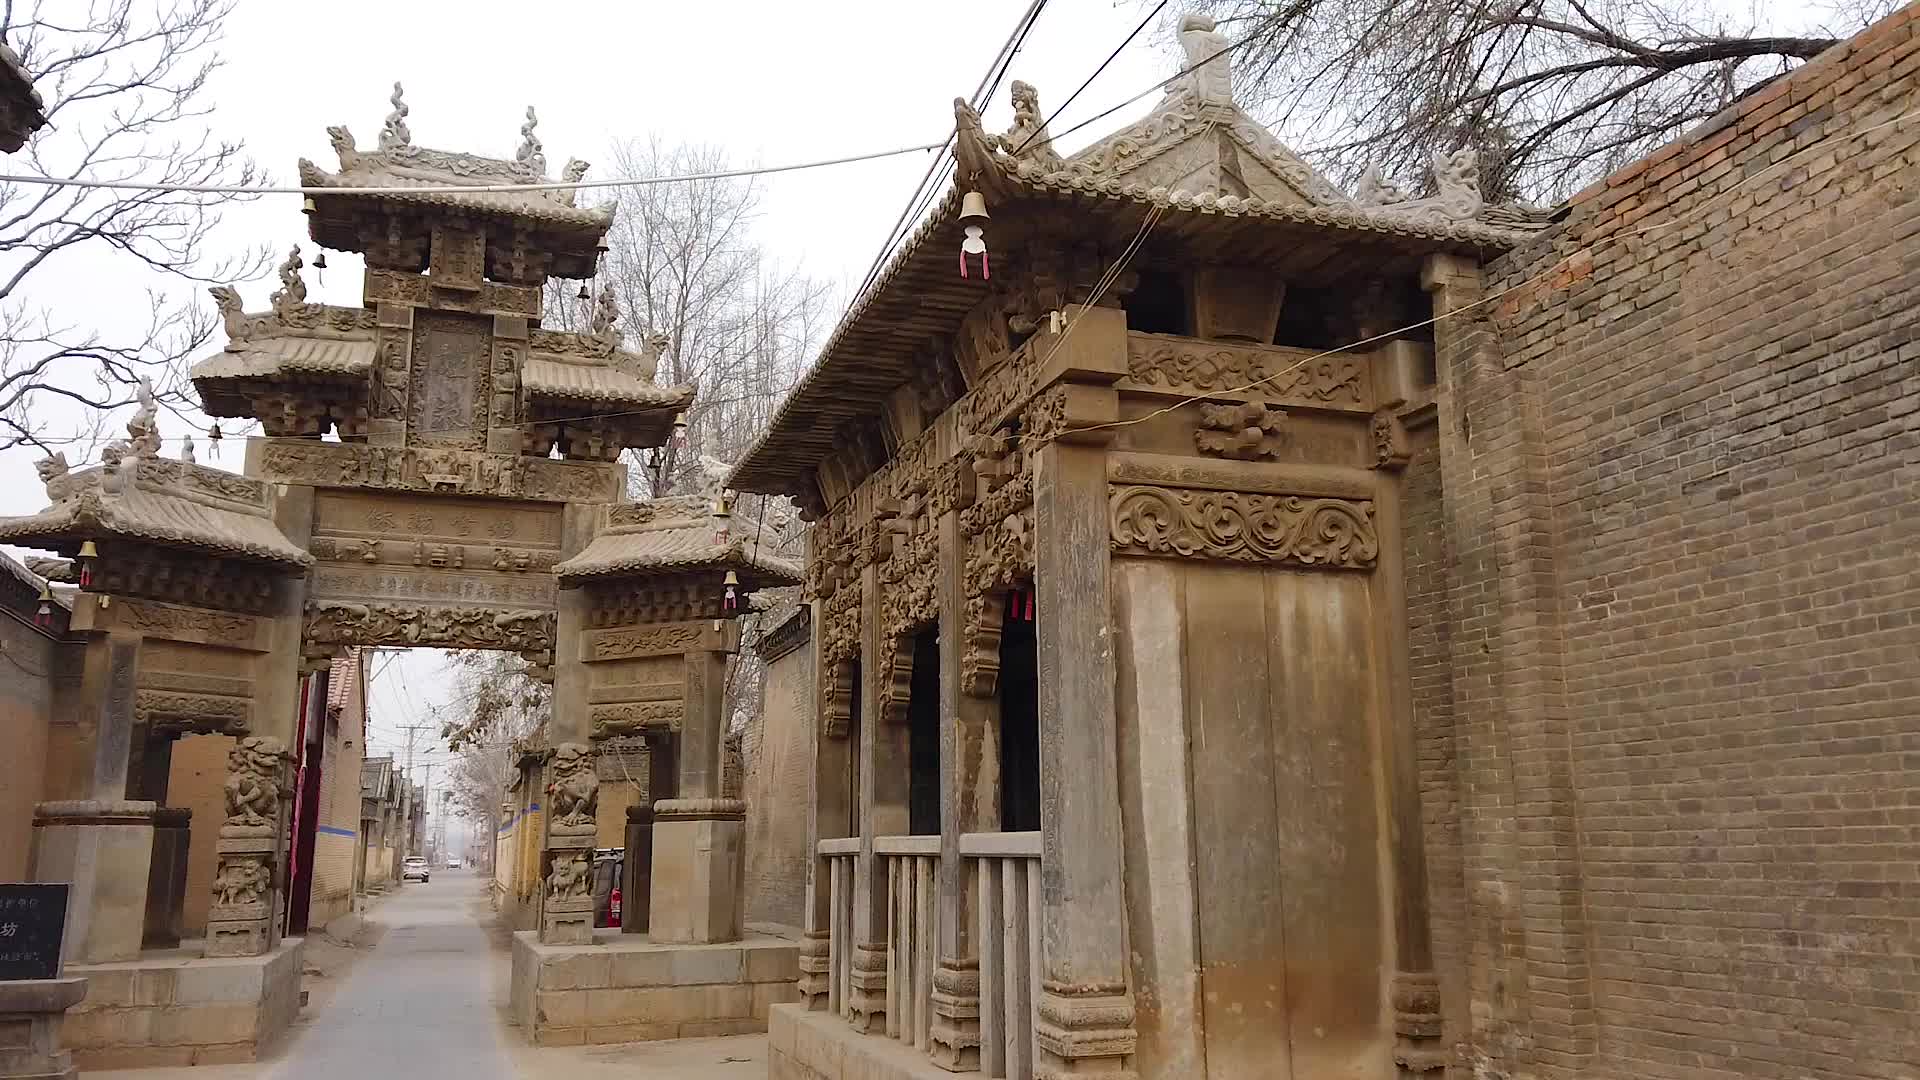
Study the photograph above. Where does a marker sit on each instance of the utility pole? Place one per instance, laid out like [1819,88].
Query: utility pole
[406,826]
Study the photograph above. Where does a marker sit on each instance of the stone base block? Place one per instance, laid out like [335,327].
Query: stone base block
[31,1011]
[567,922]
[630,988]
[181,1007]
[804,1045]
[698,863]
[104,848]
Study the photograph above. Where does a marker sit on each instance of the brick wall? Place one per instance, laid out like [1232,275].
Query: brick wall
[1681,462]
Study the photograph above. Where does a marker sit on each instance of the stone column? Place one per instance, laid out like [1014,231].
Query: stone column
[699,836]
[242,920]
[31,1011]
[969,801]
[830,808]
[1084,1014]
[103,844]
[573,799]
[883,801]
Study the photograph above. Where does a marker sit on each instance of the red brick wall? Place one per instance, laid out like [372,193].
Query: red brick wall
[1682,475]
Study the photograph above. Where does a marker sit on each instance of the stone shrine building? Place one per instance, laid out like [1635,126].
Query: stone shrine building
[1261,631]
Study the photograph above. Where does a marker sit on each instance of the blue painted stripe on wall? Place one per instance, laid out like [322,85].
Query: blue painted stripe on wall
[337,832]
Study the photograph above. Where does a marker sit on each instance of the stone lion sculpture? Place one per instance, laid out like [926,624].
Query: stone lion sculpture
[253,781]
[575,790]
[569,877]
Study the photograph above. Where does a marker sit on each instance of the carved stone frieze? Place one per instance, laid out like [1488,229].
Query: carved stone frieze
[629,717]
[1241,527]
[168,710]
[185,578]
[836,699]
[628,644]
[200,480]
[413,290]
[450,471]
[187,623]
[656,600]
[337,622]
[1249,431]
[840,626]
[1164,362]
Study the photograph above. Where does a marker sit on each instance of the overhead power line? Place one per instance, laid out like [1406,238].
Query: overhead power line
[415,190]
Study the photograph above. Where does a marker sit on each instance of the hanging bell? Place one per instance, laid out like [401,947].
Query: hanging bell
[732,602]
[722,519]
[44,616]
[583,294]
[213,439]
[320,261]
[974,216]
[88,553]
[306,205]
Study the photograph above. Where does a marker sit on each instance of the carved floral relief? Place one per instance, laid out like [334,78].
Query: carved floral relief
[1241,527]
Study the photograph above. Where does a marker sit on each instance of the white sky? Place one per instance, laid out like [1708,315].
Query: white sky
[771,82]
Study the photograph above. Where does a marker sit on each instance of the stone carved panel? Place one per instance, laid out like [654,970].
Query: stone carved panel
[187,624]
[252,789]
[668,640]
[836,700]
[573,787]
[446,471]
[409,521]
[450,380]
[347,583]
[168,710]
[627,718]
[389,397]
[200,480]
[1241,527]
[1291,376]
[343,623]
[416,290]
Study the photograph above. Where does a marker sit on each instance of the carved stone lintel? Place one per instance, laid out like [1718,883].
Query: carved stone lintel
[816,951]
[956,1014]
[167,710]
[1240,527]
[631,717]
[343,623]
[1084,1030]
[867,988]
[1293,376]
[1419,1049]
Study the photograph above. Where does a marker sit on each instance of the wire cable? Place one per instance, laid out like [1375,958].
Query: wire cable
[1151,15]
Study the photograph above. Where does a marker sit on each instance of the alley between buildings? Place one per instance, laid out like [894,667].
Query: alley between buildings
[423,996]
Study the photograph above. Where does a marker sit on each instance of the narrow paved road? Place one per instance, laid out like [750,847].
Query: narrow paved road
[419,1005]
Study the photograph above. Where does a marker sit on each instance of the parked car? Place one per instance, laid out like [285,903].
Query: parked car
[453,864]
[414,867]
[607,866]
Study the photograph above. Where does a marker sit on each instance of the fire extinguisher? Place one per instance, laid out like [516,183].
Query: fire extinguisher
[613,907]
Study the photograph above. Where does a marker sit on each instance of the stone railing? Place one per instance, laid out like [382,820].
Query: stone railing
[1006,870]
[913,867]
[840,855]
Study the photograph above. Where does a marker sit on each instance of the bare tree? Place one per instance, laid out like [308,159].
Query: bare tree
[1553,94]
[124,85]
[498,711]
[682,261]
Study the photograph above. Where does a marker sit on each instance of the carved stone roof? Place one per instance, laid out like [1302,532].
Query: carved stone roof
[29,579]
[159,502]
[1291,223]
[671,535]
[430,173]
[568,379]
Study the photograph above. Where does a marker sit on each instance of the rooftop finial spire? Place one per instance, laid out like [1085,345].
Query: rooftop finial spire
[395,132]
[1210,69]
[530,153]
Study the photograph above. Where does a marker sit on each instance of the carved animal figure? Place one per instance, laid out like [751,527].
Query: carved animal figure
[1376,190]
[606,319]
[238,324]
[1211,70]
[343,146]
[569,877]
[54,472]
[253,781]
[293,291]
[1027,139]
[575,790]
[143,429]
[530,153]
[575,172]
[241,881]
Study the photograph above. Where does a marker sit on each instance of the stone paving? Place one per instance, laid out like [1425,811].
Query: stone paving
[429,1002]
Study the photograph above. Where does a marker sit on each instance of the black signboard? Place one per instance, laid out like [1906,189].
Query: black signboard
[33,919]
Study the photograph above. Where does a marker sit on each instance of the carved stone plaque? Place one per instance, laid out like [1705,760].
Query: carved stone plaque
[450,360]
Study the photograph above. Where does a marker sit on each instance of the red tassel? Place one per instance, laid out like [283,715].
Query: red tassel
[43,617]
[732,602]
[86,575]
[986,268]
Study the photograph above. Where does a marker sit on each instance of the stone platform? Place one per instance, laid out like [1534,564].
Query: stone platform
[626,988]
[804,1045]
[179,1007]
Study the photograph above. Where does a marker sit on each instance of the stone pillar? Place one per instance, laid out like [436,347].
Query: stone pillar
[699,836]
[242,920]
[829,817]
[103,843]
[573,797]
[636,871]
[969,802]
[31,1011]
[167,880]
[883,800]
[102,846]
[1084,1013]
